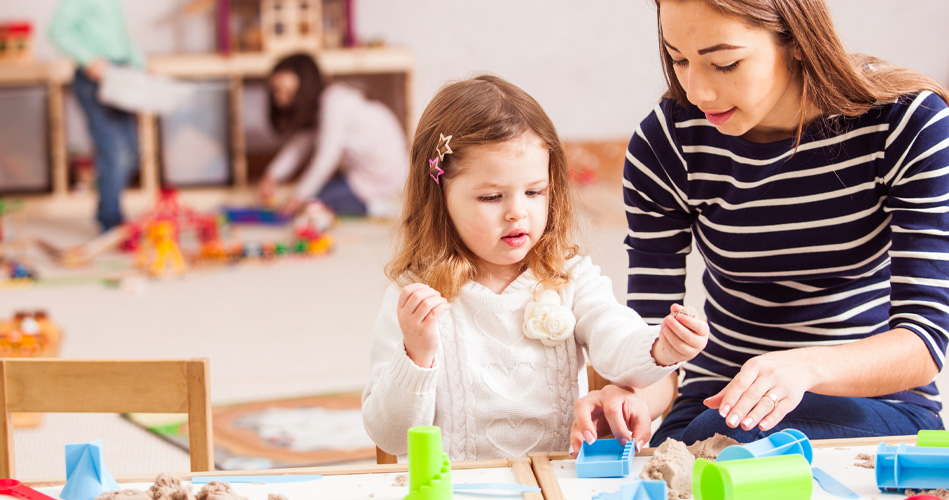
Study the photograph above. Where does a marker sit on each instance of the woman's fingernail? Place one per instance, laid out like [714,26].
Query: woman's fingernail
[588,437]
[571,449]
[765,425]
[639,445]
[747,422]
[733,420]
[723,411]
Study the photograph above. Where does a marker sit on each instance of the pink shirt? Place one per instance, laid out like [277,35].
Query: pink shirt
[361,138]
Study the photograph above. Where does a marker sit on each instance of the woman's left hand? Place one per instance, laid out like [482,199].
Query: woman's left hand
[766,389]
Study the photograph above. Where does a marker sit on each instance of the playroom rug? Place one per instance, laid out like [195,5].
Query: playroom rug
[308,431]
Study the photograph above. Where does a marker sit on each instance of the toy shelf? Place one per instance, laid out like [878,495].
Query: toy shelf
[395,64]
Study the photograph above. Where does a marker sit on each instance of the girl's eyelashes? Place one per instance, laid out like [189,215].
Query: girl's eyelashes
[536,192]
[531,193]
[680,62]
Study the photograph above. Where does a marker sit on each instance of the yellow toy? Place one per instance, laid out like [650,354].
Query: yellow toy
[160,239]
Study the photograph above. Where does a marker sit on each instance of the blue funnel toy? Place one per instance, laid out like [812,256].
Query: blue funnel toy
[786,442]
[86,475]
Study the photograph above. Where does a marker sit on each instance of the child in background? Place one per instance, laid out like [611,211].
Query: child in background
[359,153]
[483,330]
[94,34]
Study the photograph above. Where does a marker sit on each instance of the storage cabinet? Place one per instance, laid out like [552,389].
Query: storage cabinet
[24,144]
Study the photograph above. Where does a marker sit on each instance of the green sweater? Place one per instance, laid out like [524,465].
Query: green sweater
[89,29]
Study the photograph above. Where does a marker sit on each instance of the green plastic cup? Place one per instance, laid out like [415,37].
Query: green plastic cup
[429,468]
[933,438]
[785,477]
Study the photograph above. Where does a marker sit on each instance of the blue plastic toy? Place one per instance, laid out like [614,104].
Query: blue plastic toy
[786,442]
[268,216]
[86,475]
[605,458]
[912,467]
[646,489]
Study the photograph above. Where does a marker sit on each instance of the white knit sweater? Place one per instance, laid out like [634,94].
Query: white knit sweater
[493,391]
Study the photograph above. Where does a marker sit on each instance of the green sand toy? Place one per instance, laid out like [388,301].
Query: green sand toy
[932,438]
[429,468]
[785,477]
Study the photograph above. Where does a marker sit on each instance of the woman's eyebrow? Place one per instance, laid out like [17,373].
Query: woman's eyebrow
[714,48]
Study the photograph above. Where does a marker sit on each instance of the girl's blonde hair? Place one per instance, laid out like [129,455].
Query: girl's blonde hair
[834,81]
[476,112]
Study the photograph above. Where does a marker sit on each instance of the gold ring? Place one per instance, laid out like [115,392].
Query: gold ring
[773,398]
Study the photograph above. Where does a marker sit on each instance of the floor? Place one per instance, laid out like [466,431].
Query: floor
[293,327]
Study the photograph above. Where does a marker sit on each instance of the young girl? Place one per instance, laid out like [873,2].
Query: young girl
[815,186]
[483,331]
[361,157]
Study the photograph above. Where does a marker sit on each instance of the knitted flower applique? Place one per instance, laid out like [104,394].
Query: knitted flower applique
[548,320]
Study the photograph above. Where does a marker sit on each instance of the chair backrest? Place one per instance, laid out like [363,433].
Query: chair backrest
[595,382]
[51,385]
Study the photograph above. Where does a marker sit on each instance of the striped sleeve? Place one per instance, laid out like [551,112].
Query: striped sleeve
[658,216]
[917,153]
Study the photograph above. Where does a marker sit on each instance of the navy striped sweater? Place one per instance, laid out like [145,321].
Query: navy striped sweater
[846,237]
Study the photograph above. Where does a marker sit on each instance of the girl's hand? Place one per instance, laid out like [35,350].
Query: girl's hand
[266,189]
[681,337]
[96,69]
[766,388]
[420,306]
[610,410]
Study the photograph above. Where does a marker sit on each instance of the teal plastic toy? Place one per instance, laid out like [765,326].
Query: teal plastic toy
[645,489]
[605,458]
[910,467]
[785,477]
[429,468]
[786,442]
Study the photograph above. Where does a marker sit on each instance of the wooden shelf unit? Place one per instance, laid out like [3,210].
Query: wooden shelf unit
[234,68]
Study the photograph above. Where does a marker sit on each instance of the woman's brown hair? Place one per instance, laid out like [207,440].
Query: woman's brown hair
[833,81]
[476,112]
[302,113]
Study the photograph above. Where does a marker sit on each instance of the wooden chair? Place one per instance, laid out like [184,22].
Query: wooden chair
[51,385]
[594,382]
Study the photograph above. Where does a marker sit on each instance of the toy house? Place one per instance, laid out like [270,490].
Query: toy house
[280,26]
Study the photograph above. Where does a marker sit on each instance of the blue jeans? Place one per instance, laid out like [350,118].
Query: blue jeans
[115,134]
[818,417]
[337,195]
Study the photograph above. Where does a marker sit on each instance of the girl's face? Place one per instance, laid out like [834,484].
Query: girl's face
[498,203]
[283,87]
[736,74]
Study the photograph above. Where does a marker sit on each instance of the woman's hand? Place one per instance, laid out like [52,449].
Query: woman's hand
[420,306]
[613,410]
[292,206]
[681,337]
[766,389]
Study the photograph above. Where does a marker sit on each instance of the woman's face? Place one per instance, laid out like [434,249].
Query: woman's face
[283,87]
[738,75]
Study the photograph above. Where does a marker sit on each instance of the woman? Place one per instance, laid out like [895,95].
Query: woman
[359,154]
[815,186]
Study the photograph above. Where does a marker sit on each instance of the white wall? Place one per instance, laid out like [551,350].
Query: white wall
[592,64]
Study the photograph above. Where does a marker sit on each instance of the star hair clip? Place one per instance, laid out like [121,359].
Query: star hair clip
[434,164]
